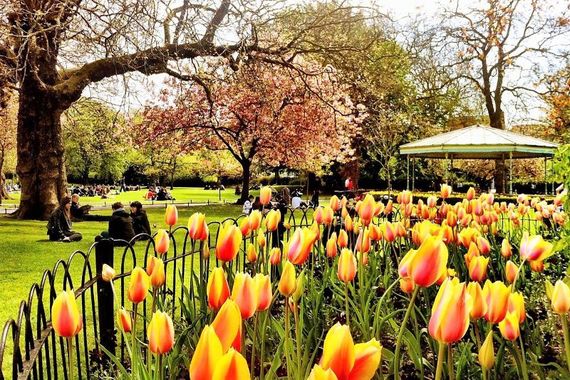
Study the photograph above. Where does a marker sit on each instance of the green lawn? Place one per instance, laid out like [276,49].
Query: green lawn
[25,251]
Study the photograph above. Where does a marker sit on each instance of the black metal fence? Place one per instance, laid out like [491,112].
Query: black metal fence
[32,347]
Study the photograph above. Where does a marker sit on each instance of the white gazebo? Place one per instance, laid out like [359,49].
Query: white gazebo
[479,142]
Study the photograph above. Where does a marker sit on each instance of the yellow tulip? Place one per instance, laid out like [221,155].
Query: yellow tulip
[487,352]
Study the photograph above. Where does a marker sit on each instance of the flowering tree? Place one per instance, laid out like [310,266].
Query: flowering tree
[278,116]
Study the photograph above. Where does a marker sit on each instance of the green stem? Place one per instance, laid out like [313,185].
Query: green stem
[252,359]
[450,363]
[134,334]
[522,361]
[287,337]
[297,337]
[346,303]
[401,334]
[70,356]
[440,355]
[566,338]
[262,356]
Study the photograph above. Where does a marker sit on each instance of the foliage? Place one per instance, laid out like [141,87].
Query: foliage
[97,142]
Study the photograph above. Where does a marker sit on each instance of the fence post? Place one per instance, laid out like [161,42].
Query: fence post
[104,254]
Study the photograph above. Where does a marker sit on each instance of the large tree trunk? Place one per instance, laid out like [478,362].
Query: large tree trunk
[41,166]
[246,170]
[496,120]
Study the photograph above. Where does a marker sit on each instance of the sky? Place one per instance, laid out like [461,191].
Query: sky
[143,89]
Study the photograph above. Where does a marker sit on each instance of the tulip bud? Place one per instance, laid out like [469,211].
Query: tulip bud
[483,245]
[231,365]
[478,268]
[205,251]
[160,333]
[206,356]
[346,266]
[445,191]
[334,203]
[251,253]
[366,209]
[155,269]
[450,312]
[560,298]
[318,373]
[429,262]
[107,273]
[272,220]
[264,293]
[171,215]
[261,241]
[254,220]
[229,241]
[496,295]
[244,227]
[287,283]
[162,242]
[217,289]
[275,256]
[487,353]
[138,286]
[331,248]
[470,194]
[537,266]
[265,195]
[478,304]
[197,227]
[244,295]
[509,326]
[342,239]
[65,317]
[506,249]
[511,272]
[124,320]
[228,324]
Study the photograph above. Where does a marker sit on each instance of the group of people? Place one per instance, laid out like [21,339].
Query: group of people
[286,198]
[122,225]
[158,193]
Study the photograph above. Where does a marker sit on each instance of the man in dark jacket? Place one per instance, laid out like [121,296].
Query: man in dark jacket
[121,224]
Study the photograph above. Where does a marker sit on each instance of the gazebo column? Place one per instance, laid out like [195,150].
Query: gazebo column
[446,165]
[451,170]
[545,176]
[413,173]
[407,172]
[510,172]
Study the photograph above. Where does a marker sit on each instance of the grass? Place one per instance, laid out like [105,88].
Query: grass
[25,251]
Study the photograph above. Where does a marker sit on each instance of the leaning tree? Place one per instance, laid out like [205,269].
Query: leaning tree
[53,49]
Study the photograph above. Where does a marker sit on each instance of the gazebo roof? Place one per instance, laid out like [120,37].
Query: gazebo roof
[479,141]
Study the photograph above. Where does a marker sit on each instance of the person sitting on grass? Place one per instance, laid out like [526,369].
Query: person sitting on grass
[140,219]
[59,223]
[247,205]
[121,224]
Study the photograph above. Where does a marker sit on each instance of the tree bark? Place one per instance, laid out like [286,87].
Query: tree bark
[496,120]
[246,170]
[41,165]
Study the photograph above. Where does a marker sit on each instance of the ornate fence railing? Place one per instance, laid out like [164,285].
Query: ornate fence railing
[29,348]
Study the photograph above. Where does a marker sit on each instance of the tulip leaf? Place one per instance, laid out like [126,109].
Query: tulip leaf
[549,288]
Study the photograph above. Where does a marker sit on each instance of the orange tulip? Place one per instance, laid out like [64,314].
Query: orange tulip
[272,220]
[471,253]
[347,360]
[171,215]
[231,366]
[478,268]
[487,353]
[217,289]
[205,251]
[506,249]
[229,241]
[107,273]
[287,283]
[160,333]
[375,232]
[560,298]
[138,286]
[251,253]
[483,245]
[405,197]
[328,215]
[318,373]
[65,318]
[406,285]
[227,325]
[275,256]
[450,312]
[470,194]
[162,242]
[346,266]
[197,227]
[300,245]
[431,201]
[264,293]
[124,320]
[206,355]
[155,269]
[467,236]
[445,191]
[516,305]
[254,220]
[265,195]
[388,232]
[342,239]
[244,227]
[534,248]
[363,241]
[537,266]
[509,326]
[348,224]
[511,271]
[261,239]
[334,203]
[331,248]
[496,295]
[428,263]
[318,215]
[244,295]
[478,304]
[366,209]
